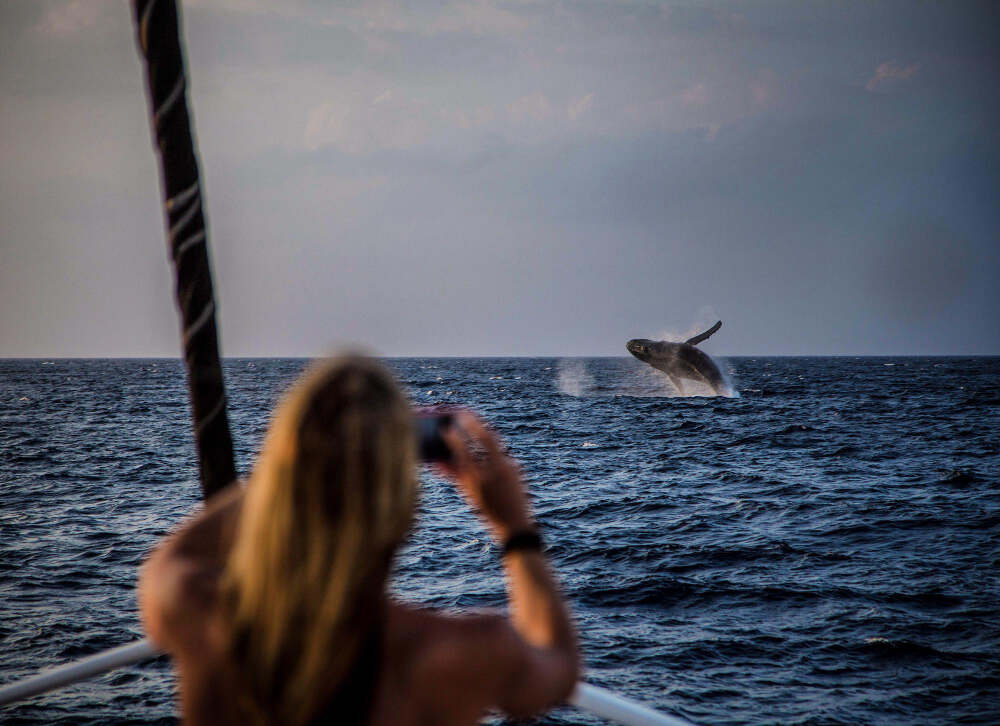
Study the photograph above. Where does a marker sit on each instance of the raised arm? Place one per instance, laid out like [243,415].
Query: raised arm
[535,652]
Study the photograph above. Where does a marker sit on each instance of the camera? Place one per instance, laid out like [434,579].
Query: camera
[429,423]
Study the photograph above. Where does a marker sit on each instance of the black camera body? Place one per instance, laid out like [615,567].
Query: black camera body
[429,423]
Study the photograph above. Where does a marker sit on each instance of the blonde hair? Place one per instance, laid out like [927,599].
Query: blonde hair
[330,499]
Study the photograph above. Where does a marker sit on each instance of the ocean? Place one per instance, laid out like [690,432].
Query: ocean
[821,548]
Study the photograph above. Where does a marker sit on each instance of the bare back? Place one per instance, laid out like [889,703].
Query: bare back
[434,668]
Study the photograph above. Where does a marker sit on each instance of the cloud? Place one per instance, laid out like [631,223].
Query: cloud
[69,18]
[578,107]
[480,18]
[764,88]
[890,73]
[479,116]
[694,96]
[533,107]
[616,161]
[356,125]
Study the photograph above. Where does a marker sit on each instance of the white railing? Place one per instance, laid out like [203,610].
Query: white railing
[598,701]
[609,705]
[93,665]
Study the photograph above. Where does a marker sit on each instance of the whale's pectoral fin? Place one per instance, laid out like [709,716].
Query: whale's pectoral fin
[678,384]
[704,336]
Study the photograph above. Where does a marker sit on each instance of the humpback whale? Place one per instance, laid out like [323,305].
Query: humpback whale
[681,360]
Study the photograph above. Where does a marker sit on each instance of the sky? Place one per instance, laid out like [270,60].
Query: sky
[513,178]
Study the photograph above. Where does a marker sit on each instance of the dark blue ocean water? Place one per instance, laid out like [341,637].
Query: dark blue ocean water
[822,549]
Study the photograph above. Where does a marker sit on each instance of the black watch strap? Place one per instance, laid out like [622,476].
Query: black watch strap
[525,540]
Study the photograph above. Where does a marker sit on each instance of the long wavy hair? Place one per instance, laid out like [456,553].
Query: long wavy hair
[330,499]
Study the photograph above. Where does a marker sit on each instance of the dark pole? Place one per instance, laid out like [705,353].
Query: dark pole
[158,32]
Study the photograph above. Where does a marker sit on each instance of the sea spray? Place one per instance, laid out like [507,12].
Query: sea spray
[728,377]
[573,378]
[703,319]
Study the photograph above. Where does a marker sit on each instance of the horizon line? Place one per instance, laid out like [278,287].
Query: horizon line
[498,356]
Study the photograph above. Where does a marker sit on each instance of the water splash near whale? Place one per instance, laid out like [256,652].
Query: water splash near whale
[627,378]
[572,377]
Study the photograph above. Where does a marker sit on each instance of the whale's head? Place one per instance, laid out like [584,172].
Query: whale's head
[640,348]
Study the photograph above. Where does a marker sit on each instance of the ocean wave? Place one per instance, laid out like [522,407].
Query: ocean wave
[737,560]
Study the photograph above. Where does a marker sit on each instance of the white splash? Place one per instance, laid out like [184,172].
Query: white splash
[573,378]
[728,377]
[703,320]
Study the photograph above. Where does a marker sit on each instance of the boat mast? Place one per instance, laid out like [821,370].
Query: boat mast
[158,30]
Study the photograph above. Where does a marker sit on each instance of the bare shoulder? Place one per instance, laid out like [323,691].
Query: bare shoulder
[182,563]
[178,583]
[209,533]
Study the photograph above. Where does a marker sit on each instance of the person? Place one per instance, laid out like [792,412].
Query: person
[273,603]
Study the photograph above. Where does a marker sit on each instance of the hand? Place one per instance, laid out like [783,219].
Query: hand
[491,483]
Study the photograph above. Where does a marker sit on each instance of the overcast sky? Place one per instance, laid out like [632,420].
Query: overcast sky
[514,178]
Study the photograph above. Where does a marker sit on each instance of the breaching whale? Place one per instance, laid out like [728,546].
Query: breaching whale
[681,360]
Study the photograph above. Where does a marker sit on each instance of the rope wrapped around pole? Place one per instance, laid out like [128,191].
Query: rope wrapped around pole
[158,32]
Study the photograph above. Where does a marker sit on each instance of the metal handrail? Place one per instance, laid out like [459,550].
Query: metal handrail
[598,701]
